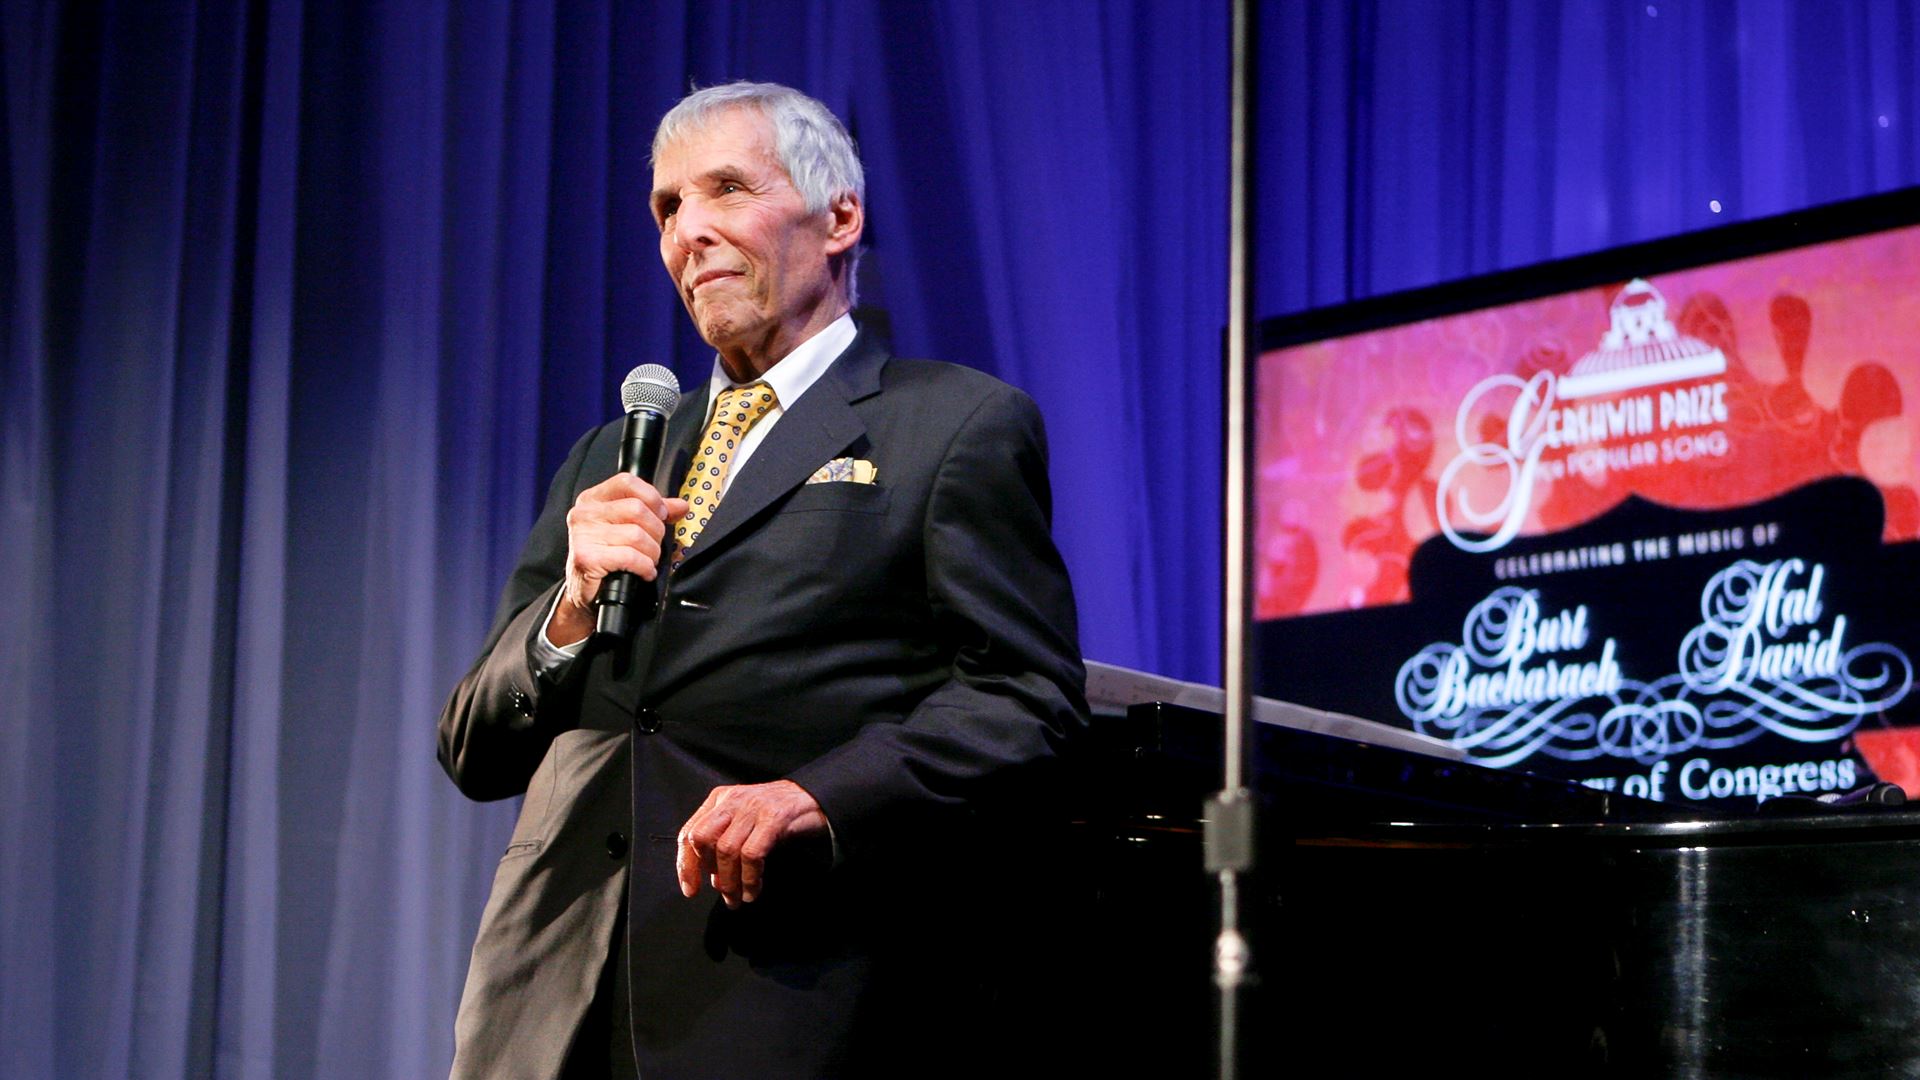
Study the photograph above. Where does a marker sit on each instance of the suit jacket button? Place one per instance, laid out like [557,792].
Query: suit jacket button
[521,703]
[616,845]
[647,721]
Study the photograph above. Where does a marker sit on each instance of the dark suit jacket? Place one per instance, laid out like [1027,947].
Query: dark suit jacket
[905,650]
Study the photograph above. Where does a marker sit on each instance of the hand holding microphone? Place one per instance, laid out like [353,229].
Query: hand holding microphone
[617,529]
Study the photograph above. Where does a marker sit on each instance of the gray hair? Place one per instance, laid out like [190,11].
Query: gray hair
[808,140]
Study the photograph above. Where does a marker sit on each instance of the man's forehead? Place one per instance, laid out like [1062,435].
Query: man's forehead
[736,132]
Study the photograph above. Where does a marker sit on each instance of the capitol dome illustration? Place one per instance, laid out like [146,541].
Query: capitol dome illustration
[1641,348]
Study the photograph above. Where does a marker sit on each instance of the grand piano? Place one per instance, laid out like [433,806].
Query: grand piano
[1412,914]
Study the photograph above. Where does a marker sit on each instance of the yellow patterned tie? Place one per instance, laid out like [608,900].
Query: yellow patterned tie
[739,408]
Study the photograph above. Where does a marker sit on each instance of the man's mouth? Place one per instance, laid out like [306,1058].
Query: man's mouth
[707,276]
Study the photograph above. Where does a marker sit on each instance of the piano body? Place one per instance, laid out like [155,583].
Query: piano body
[1412,914]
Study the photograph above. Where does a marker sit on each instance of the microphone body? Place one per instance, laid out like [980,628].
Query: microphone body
[649,395]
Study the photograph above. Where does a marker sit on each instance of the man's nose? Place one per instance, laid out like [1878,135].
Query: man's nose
[693,225]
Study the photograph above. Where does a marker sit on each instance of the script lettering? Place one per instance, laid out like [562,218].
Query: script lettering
[1530,431]
[1767,656]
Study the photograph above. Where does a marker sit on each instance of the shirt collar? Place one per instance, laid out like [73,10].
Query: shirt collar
[792,374]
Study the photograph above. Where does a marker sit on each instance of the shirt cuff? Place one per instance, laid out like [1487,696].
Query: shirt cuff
[550,661]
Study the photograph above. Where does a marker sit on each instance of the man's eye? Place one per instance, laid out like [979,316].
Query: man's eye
[728,189]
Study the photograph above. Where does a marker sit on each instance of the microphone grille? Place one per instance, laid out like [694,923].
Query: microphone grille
[651,387]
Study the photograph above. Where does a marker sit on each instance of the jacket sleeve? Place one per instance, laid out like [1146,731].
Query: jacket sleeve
[994,733]
[499,720]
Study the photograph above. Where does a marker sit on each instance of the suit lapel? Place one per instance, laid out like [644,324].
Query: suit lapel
[814,431]
[819,426]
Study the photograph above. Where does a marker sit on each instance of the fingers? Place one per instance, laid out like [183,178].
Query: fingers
[618,524]
[729,854]
[716,846]
[755,846]
[728,840]
[740,858]
[599,548]
[692,860]
[621,486]
[623,500]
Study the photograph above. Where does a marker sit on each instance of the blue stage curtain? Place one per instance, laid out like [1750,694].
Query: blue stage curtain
[304,301]
[1405,142]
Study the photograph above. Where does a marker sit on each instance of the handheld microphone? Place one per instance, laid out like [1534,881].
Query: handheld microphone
[649,395]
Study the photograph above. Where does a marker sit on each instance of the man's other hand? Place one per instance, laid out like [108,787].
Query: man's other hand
[728,839]
[618,524]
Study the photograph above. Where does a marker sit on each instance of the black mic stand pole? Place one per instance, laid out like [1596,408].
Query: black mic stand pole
[1230,814]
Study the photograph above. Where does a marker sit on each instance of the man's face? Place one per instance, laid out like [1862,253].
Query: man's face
[751,264]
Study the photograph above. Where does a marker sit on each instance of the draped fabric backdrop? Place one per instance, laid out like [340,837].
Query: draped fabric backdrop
[303,302]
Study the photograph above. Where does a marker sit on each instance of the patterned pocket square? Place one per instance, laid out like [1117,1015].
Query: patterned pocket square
[845,470]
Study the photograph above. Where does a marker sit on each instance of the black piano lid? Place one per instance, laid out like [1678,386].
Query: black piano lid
[1159,762]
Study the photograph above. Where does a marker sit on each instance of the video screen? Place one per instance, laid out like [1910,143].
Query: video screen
[1645,520]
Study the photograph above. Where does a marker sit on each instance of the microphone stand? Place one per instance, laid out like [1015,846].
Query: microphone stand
[1230,815]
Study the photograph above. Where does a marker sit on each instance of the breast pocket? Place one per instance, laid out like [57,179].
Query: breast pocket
[838,495]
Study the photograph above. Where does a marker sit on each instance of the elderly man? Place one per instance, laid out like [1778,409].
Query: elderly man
[754,840]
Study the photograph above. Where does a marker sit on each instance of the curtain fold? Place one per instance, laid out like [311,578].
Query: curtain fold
[304,302]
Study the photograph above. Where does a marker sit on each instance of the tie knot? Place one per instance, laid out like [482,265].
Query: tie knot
[743,406]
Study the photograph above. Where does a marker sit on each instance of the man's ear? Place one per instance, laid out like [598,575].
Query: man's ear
[849,220]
